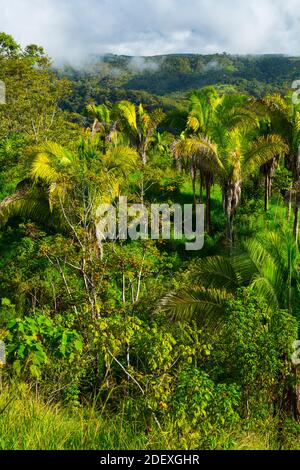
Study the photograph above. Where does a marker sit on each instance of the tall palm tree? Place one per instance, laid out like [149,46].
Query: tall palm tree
[241,157]
[180,152]
[234,132]
[229,151]
[105,122]
[285,121]
[200,154]
[215,125]
[140,125]
[203,105]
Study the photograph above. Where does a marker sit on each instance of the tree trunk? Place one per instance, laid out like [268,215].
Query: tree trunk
[208,204]
[144,157]
[289,213]
[266,192]
[193,176]
[229,228]
[270,186]
[231,198]
[227,204]
[296,223]
[269,172]
[94,127]
[201,187]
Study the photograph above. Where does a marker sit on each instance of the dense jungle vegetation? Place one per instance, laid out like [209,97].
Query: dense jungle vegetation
[142,344]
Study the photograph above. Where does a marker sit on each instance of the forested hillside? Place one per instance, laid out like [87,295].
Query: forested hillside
[124,343]
[153,79]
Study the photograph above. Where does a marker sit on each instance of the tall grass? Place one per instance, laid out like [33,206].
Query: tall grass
[28,423]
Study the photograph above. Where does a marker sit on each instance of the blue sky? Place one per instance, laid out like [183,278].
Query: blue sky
[71,29]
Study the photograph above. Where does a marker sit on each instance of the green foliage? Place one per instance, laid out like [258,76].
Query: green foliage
[282,181]
[33,341]
[204,412]
[153,345]
[255,351]
[268,265]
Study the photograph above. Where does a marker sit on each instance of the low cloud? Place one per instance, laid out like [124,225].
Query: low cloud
[71,30]
[141,64]
[212,65]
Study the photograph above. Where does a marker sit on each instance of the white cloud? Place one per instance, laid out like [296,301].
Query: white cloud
[73,29]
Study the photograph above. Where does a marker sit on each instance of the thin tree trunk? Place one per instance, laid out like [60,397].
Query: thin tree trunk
[269,172]
[144,157]
[266,192]
[201,187]
[94,127]
[193,176]
[296,223]
[289,206]
[229,228]
[231,199]
[270,186]
[228,215]
[208,204]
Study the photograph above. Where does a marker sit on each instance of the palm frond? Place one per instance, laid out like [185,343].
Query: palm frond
[275,103]
[128,114]
[205,305]
[217,272]
[28,201]
[120,157]
[262,151]
[101,112]
[264,289]
[50,160]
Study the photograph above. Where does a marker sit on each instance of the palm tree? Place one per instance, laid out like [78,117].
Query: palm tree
[200,154]
[268,266]
[28,201]
[284,117]
[217,143]
[162,142]
[48,179]
[234,131]
[55,172]
[180,152]
[241,157]
[105,123]
[230,152]
[140,125]
[202,106]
